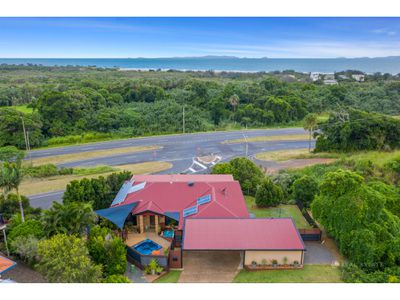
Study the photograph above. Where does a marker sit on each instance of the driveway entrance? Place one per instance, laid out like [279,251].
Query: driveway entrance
[209,266]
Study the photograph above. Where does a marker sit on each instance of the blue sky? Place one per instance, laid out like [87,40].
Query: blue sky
[168,37]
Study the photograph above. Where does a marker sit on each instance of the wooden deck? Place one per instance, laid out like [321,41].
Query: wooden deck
[134,238]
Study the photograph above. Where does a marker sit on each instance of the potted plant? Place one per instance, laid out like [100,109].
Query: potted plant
[264,262]
[153,266]
[159,269]
[296,263]
[254,264]
[274,263]
[285,261]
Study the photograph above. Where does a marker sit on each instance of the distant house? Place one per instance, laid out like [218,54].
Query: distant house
[172,217]
[315,76]
[329,76]
[358,77]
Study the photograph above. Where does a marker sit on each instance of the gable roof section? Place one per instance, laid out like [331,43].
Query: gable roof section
[161,195]
[241,234]
[183,178]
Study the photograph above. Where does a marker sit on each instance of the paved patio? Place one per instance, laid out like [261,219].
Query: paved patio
[209,266]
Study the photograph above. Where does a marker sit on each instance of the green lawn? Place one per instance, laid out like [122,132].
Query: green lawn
[310,274]
[281,211]
[170,277]
[22,108]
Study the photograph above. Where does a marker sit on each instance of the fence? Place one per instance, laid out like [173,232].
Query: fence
[313,234]
[142,260]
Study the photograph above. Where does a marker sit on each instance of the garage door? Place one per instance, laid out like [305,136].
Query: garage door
[210,266]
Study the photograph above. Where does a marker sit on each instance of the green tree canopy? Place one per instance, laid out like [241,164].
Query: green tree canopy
[65,259]
[268,193]
[107,250]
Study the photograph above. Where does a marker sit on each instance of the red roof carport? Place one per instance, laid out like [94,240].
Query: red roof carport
[241,234]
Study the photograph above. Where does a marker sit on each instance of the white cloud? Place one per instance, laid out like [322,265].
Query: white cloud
[311,49]
[384,31]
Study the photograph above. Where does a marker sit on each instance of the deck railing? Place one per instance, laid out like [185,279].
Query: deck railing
[142,260]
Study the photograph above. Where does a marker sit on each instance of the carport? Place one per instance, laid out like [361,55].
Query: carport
[244,241]
[210,266]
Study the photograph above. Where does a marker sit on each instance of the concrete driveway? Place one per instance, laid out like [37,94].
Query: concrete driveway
[320,254]
[209,266]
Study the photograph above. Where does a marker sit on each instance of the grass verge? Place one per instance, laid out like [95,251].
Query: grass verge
[281,211]
[64,158]
[301,153]
[309,274]
[35,186]
[267,138]
[170,277]
[93,170]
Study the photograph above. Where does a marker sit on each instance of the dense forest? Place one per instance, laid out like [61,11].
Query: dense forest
[73,101]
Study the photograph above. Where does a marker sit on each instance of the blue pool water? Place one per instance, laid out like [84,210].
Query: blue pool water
[168,234]
[146,247]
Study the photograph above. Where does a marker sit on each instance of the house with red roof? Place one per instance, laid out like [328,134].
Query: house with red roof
[165,216]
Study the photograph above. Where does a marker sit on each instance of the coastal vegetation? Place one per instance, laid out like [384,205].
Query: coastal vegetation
[65,105]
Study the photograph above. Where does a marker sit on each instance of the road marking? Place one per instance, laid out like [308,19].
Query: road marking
[200,165]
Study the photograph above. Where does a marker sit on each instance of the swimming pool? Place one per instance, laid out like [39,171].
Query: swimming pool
[168,234]
[146,247]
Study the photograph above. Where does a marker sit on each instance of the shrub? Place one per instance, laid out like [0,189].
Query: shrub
[304,189]
[99,191]
[73,218]
[26,248]
[28,228]
[46,170]
[268,194]
[116,279]
[9,205]
[65,259]
[107,250]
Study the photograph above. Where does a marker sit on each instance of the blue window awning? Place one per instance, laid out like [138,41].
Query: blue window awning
[117,214]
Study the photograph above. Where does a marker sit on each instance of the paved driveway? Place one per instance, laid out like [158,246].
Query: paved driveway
[209,266]
[320,254]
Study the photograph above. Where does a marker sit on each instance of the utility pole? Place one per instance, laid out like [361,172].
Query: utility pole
[183,119]
[26,138]
[247,145]
[23,128]
[29,147]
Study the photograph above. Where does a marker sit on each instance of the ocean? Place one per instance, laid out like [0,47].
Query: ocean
[325,65]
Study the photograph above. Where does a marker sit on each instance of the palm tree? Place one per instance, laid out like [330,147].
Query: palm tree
[310,124]
[234,102]
[11,176]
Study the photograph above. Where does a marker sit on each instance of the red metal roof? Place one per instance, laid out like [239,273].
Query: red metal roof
[183,178]
[241,234]
[6,264]
[161,194]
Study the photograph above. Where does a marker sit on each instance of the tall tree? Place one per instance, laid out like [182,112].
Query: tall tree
[11,175]
[310,124]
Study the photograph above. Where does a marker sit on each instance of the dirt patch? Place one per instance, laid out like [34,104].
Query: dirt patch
[298,164]
[24,274]
[209,266]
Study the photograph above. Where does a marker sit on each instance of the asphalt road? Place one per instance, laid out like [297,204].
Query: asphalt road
[180,150]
